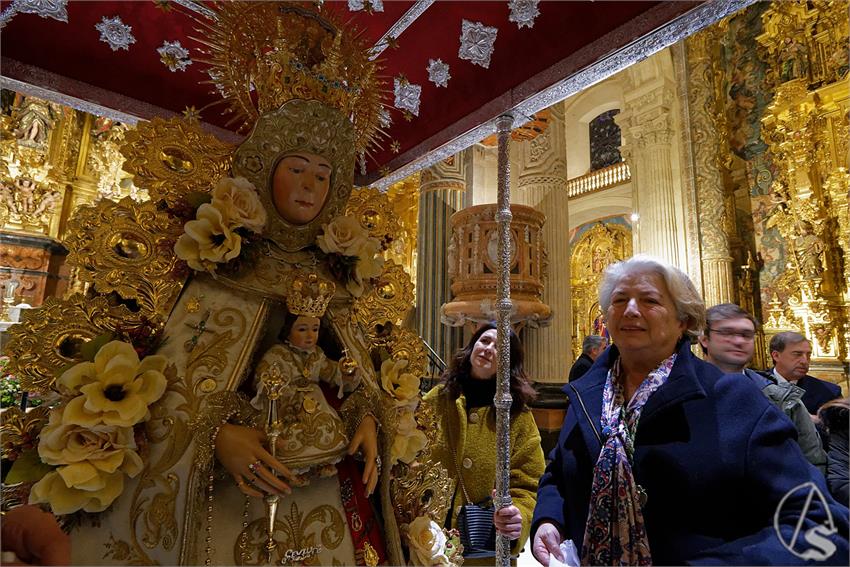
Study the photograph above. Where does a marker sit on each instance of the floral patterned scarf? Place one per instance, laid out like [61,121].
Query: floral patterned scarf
[615,533]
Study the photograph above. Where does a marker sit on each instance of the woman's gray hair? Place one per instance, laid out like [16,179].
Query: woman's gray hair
[689,305]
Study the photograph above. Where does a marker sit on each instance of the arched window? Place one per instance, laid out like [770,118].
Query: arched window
[604,141]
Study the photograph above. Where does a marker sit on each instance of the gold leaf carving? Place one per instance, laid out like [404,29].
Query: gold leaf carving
[127,247]
[422,488]
[19,430]
[406,344]
[171,158]
[388,301]
[374,212]
[48,338]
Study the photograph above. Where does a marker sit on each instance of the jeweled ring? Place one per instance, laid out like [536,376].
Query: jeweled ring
[378,462]
[253,466]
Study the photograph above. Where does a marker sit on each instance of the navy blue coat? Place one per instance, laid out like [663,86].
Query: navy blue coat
[818,392]
[715,458]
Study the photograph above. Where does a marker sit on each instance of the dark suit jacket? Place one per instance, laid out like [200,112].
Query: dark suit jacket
[716,459]
[580,367]
[818,392]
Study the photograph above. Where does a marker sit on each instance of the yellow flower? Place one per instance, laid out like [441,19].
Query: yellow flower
[107,448]
[207,240]
[239,204]
[402,386]
[427,542]
[94,492]
[343,235]
[115,389]
[409,440]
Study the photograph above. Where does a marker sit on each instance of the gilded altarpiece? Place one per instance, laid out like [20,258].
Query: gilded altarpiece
[603,243]
[805,127]
[53,159]
[777,73]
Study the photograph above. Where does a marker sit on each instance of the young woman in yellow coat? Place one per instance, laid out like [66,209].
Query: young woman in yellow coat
[467,437]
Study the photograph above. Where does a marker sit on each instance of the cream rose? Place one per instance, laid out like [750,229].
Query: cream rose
[94,492]
[409,440]
[343,235]
[239,204]
[107,448]
[427,542]
[368,266]
[403,386]
[207,240]
[115,389]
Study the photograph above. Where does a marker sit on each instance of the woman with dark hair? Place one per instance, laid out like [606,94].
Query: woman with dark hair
[467,438]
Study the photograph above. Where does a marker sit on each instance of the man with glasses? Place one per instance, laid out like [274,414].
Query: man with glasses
[729,343]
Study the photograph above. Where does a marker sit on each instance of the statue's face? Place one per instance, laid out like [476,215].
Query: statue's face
[305,332]
[300,186]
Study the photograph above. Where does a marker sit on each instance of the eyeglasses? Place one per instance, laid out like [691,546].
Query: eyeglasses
[730,333]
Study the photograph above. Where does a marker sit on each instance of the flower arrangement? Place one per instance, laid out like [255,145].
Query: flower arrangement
[430,544]
[403,387]
[91,435]
[233,217]
[354,256]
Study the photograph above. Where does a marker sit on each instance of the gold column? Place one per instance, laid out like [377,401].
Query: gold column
[714,216]
[542,183]
[441,194]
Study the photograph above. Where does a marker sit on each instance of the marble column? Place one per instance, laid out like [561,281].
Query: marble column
[715,219]
[442,192]
[649,146]
[541,182]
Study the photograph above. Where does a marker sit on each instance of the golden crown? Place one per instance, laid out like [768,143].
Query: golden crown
[309,295]
[263,54]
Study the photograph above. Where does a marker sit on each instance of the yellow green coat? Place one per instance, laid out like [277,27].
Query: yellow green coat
[475,436]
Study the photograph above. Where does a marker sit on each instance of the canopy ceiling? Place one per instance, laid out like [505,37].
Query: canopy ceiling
[569,45]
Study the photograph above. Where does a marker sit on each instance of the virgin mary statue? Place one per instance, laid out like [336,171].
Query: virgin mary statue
[239,389]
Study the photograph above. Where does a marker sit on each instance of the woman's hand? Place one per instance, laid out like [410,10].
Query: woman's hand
[240,450]
[366,441]
[547,541]
[508,520]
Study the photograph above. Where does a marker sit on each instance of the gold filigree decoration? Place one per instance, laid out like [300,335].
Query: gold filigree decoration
[374,212]
[320,528]
[48,339]
[171,158]
[19,430]
[263,54]
[127,247]
[387,301]
[120,550]
[423,487]
[298,126]
[406,344]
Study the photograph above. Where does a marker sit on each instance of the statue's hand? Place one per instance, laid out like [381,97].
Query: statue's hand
[366,441]
[240,450]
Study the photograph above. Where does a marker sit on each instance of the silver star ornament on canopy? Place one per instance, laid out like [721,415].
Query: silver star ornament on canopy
[523,12]
[438,72]
[477,43]
[174,56]
[407,95]
[115,33]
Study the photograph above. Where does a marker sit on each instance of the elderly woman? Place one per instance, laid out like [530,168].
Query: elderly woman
[466,446]
[664,459]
